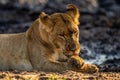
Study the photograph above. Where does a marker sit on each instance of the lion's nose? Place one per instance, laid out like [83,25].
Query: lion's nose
[72,47]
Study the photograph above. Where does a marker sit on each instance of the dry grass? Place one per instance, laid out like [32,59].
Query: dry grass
[67,75]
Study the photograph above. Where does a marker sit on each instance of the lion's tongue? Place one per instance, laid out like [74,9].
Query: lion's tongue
[70,53]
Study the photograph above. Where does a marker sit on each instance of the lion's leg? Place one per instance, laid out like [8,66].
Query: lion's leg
[79,65]
[55,66]
[74,63]
[21,65]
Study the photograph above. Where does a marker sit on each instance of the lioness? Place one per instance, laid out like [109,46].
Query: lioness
[50,44]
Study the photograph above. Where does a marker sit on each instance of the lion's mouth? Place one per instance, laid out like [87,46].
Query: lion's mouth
[68,53]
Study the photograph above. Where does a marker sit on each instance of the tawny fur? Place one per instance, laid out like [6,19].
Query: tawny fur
[46,45]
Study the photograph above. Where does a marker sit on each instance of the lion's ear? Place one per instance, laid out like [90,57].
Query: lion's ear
[46,22]
[73,11]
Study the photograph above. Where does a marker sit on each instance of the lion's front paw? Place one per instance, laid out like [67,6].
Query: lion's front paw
[89,68]
[76,62]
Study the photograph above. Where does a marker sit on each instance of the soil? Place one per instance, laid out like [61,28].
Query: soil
[67,75]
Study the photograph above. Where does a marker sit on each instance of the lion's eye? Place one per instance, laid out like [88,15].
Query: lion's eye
[74,32]
[62,36]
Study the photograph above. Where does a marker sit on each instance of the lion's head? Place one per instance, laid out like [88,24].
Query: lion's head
[62,29]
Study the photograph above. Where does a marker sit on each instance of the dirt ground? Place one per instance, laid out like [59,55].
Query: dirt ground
[67,75]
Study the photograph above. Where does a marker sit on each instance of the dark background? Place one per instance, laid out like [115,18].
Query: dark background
[99,28]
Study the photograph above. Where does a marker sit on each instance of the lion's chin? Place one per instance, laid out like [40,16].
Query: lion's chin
[63,60]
